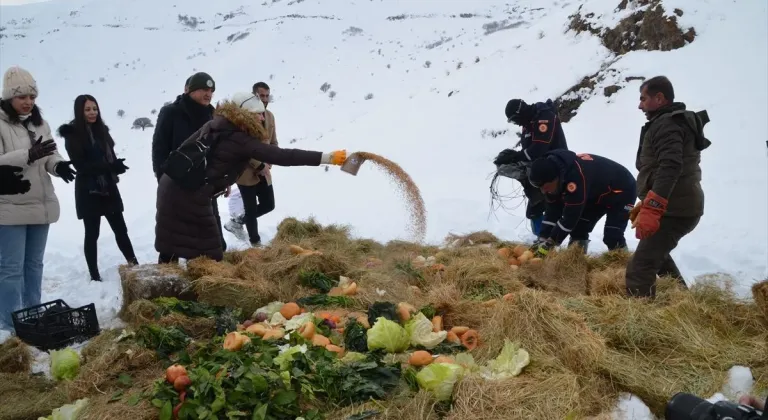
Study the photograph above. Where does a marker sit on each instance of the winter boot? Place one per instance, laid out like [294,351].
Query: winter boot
[583,243]
[235,226]
[536,224]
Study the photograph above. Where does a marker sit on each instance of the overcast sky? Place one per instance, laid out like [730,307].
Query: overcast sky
[15,2]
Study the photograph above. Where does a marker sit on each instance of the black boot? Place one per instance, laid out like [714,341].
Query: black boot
[583,243]
[95,276]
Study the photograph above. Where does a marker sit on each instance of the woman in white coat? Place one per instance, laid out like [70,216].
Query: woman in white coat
[25,142]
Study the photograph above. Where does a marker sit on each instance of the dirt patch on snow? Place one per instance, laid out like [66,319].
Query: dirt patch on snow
[649,28]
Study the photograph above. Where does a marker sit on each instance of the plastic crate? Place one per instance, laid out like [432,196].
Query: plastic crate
[54,325]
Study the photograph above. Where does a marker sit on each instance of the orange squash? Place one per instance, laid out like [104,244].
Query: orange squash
[536,260]
[452,338]
[336,349]
[296,250]
[349,290]
[257,329]
[513,261]
[444,359]
[363,320]
[174,372]
[336,291]
[420,358]
[234,341]
[459,331]
[519,250]
[320,340]
[405,310]
[509,296]
[504,252]
[274,334]
[307,330]
[470,339]
[290,310]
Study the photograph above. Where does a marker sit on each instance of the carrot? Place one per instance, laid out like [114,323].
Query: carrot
[437,323]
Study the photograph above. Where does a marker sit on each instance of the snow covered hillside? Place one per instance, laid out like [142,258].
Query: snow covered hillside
[423,83]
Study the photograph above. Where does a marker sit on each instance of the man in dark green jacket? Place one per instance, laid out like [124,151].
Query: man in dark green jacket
[668,184]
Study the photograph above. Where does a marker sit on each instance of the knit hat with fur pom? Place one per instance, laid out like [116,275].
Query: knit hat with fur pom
[18,82]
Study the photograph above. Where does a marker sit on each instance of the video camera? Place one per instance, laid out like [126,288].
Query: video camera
[684,406]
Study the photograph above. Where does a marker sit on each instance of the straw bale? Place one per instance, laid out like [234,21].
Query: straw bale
[149,281]
[481,275]
[31,396]
[15,356]
[292,230]
[535,394]
[563,272]
[286,266]
[542,325]
[104,360]
[607,281]
[248,294]
[204,266]
[474,238]
[760,294]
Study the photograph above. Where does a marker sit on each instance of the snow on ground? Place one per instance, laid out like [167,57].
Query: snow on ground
[440,74]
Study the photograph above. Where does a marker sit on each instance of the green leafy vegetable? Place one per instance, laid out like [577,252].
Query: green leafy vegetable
[439,379]
[317,280]
[326,301]
[388,335]
[428,311]
[387,310]
[355,337]
[188,308]
[65,364]
[164,340]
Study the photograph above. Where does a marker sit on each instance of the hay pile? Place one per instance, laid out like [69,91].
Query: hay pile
[588,343]
[15,356]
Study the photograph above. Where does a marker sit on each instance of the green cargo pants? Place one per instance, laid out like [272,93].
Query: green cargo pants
[652,256]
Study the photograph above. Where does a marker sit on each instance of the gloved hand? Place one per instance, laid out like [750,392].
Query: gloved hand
[508,156]
[649,216]
[41,149]
[536,243]
[544,247]
[64,170]
[337,157]
[12,181]
[119,167]
[633,213]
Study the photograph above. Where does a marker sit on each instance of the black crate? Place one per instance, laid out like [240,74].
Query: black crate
[54,325]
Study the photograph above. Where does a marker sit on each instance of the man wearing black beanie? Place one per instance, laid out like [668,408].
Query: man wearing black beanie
[580,190]
[541,132]
[176,122]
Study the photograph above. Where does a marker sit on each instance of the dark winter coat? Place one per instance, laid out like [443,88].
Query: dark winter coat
[668,159]
[185,225]
[586,181]
[543,133]
[91,161]
[175,123]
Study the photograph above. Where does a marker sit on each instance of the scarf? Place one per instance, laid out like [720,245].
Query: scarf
[98,151]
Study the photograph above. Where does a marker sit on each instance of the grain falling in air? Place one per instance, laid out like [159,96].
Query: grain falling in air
[415,204]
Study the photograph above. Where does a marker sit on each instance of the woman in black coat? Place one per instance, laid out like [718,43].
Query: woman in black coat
[91,150]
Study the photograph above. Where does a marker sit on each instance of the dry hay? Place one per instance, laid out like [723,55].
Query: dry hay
[536,394]
[149,281]
[281,265]
[563,272]
[31,396]
[607,281]
[480,275]
[104,360]
[15,356]
[474,238]
[236,257]
[418,406]
[143,312]
[401,249]
[293,231]
[204,266]
[103,407]
[395,289]
[760,294]
[248,294]
[612,259]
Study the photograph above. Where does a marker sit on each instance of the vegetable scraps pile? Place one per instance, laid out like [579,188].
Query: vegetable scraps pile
[286,362]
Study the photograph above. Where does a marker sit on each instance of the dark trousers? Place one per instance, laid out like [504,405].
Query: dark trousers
[258,200]
[652,257]
[616,220]
[536,203]
[92,230]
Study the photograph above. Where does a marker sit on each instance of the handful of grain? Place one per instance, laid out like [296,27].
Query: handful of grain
[417,225]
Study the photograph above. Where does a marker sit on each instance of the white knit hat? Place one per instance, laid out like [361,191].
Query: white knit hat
[248,102]
[18,82]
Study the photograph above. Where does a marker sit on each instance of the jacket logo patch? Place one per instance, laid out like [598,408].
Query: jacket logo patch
[543,128]
[571,187]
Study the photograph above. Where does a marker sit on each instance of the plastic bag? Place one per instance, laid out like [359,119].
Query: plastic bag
[420,330]
[387,335]
[65,364]
[439,379]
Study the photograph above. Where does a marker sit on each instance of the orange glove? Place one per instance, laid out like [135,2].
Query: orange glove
[337,157]
[649,217]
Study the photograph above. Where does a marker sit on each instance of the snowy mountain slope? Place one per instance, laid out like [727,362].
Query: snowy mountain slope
[440,74]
